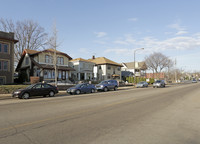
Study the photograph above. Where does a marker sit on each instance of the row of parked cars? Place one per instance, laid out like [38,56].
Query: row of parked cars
[44,89]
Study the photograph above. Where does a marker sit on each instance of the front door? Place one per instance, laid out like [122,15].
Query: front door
[63,75]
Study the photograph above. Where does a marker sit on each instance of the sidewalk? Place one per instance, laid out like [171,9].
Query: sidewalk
[9,96]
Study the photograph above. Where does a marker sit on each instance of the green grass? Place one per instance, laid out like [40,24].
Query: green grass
[7,89]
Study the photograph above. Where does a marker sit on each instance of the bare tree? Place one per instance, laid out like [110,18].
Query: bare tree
[53,43]
[157,62]
[29,34]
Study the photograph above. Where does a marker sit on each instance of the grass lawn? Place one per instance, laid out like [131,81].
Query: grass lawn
[7,89]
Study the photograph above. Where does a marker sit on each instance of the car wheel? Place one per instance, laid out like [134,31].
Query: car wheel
[105,89]
[26,96]
[92,90]
[115,88]
[78,92]
[51,93]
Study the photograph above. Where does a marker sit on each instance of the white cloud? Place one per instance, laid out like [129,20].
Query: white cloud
[133,19]
[180,29]
[100,34]
[152,44]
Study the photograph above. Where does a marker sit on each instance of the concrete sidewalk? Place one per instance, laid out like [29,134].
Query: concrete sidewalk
[9,96]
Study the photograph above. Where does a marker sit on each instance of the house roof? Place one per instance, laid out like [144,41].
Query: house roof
[80,59]
[103,60]
[131,65]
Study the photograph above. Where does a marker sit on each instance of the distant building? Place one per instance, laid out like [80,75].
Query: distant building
[155,75]
[106,69]
[7,43]
[84,69]
[138,67]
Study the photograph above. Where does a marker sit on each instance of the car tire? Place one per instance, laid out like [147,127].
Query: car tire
[51,93]
[77,92]
[115,88]
[105,89]
[92,90]
[25,96]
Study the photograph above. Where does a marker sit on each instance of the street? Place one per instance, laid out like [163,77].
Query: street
[168,115]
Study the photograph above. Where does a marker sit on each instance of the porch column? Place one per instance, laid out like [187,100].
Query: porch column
[85,77]
[79,76]
[91,76]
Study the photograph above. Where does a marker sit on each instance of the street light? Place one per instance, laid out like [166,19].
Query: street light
[134,63]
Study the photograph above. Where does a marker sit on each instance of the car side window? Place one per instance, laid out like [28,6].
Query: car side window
[46,86]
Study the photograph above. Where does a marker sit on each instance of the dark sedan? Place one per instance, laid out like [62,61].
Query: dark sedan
[38,89]
[82,88]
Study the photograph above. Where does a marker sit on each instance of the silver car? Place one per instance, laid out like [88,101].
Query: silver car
[159,83]
[142,84]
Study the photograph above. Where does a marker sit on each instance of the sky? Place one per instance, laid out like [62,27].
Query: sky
[116,28]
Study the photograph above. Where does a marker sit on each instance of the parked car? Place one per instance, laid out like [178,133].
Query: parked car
[194,81]
[107,85]
[159,83]
[38,89]
[82,88]
[142,84]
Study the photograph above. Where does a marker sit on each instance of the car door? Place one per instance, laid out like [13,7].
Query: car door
[110,85]
[36,90]
[83,88]
[45,89]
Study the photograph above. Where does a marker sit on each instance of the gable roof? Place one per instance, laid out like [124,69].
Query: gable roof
[80,59]
[103,60]
[131,65]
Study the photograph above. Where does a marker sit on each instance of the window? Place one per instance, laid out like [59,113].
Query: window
[100,67]
[38,86]
[27,61]
[109,67]
[118,68]
[4,65]
[46,58]
[60,60]
[1,81]
[5,48]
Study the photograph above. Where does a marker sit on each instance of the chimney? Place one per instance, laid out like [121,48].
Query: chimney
[93,57]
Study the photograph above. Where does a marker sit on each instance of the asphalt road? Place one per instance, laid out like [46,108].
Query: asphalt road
[168,115]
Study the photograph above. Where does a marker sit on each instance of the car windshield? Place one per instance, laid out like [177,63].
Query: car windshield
[104,82]
[30,87]
[158,81]
[141,83]
[78,85]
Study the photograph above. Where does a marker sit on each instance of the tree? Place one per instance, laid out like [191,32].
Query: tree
[157,62]
[29,34]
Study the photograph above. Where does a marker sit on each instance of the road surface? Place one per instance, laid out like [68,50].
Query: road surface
[168,115]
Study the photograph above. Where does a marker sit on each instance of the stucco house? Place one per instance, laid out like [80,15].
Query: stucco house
[138,67]
[7,43]
[106,69]
[84,69]
[41,64]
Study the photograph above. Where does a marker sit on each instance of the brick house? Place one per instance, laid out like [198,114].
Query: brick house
[7,43]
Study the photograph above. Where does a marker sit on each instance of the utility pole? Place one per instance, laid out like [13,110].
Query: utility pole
[135,65]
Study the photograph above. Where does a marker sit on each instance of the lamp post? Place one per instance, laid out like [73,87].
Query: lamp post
[134,64]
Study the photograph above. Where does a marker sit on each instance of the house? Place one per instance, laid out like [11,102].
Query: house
[139,68]
[84,69]
[7,43]
[106,69]
[41,64]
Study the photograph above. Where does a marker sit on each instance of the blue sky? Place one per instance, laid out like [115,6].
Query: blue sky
[114,28]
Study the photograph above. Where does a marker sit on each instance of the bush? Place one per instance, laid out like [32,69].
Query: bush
[7,89]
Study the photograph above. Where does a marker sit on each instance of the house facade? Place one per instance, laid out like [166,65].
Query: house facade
[41,64]
[139,68]
[7,42]
[106,69]
[84,69]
